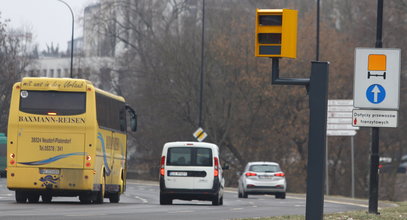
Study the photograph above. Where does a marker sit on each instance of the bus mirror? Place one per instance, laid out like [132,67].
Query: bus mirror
[133,122]
[133,118]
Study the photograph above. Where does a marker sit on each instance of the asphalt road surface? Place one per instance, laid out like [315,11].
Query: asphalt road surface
[141,201]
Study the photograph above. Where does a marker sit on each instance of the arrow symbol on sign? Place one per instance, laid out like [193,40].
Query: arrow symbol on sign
[376,92]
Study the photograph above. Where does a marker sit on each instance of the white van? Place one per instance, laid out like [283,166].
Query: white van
[191,171]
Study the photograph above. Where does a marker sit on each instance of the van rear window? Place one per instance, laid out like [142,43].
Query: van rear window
[189,156]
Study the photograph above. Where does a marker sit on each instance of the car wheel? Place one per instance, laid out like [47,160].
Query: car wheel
[239,194]
[280,195]
[245,195]
[221,201]
[165,200]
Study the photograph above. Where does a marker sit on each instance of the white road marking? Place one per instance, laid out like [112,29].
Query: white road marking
[142,199]
[84,215]
[346,203]
[182,211]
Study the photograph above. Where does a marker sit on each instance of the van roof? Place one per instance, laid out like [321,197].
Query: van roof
[190,144]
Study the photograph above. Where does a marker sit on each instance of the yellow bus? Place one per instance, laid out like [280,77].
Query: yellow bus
[66,138]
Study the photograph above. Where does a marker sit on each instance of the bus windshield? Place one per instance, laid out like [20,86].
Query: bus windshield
[45,102]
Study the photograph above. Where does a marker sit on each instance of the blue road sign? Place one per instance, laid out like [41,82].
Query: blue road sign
[375,93]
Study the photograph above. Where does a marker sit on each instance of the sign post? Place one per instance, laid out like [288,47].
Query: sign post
[340,124]
[376,93]
[376,86]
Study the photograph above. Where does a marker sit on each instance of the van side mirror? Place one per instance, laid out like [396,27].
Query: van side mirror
[133,118]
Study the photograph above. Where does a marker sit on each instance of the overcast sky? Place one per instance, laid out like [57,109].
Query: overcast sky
[48,20]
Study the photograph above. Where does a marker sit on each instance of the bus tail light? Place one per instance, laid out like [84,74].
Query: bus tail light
[12,162]
[216,167]
[88,157]
[88,164]
[12,155]
[162,166]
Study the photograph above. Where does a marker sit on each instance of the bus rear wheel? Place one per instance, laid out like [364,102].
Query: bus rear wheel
[46,198]
[33,197]
[85,199]
[21,196]
[114,197]
[101,194]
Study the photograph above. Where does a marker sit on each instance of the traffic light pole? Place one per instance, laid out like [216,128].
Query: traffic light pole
[317,87]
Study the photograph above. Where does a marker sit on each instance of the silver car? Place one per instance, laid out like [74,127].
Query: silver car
[262,178]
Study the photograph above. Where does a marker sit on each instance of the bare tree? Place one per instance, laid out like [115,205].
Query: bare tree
[13,59]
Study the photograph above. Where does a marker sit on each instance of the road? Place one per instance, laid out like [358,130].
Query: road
[141,202]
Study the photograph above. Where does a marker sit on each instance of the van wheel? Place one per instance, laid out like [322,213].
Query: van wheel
[21,196]
[239,194]
[165,200]
[216,200]
[114,197]
[221,201]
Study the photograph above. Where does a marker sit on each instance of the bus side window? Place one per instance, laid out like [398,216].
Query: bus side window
[122,116]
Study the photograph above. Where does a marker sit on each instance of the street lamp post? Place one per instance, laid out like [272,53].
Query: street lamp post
[70,9]
[202,64]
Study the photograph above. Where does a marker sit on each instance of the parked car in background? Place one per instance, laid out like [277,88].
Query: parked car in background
[191,171]
[262,178]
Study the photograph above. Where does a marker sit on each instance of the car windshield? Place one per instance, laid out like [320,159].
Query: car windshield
[264,168]
[189,156]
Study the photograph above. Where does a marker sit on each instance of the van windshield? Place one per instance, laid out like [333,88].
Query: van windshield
[189,156]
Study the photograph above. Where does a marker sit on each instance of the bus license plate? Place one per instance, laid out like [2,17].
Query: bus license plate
[49,171]
[178,173]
